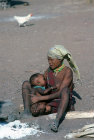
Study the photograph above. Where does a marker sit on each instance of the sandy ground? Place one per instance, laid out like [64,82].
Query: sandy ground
[23,51]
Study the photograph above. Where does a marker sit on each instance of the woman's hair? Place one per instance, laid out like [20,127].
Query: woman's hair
[32,78]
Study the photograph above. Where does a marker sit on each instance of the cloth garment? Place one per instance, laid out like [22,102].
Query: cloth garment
[43,88]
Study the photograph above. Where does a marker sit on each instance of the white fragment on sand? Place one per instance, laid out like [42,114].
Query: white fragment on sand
[16,130]
[69,136]
[86,131]
[75,115]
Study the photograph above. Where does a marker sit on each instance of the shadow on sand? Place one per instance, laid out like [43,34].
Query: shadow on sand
[1,104]
[2,117]
[18,2]
[77,95]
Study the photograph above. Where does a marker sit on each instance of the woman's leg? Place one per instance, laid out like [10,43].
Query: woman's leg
[63,103]
[64,95]
[26,90]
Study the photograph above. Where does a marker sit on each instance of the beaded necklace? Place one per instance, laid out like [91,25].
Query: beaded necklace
[59,69]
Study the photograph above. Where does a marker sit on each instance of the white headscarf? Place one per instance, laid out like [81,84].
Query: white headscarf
[59,52]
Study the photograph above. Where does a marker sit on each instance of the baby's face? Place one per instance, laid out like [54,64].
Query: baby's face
[40,81]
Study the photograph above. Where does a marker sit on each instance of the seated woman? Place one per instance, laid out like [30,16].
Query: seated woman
[57,74]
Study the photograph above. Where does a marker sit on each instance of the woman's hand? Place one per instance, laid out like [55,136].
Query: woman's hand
[54,87]
[34,99]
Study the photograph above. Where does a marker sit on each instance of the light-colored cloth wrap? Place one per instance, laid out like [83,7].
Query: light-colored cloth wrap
[59,52]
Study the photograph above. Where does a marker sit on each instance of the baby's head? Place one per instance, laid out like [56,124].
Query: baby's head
[37,79]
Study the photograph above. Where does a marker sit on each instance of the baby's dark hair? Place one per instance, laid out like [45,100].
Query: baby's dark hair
[32,78]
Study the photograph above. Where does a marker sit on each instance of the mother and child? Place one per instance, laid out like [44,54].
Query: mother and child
[51,92]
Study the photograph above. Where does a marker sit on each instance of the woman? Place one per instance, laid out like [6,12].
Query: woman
[57,75]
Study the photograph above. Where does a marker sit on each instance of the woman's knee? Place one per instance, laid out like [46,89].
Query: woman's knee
[25,84]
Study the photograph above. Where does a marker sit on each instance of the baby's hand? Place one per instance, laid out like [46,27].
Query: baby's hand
[57,87]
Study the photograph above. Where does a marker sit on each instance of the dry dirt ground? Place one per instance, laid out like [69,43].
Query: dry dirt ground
[23,51]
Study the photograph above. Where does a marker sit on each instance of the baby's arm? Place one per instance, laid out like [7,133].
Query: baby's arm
[41,91]
[56,88]
[46,91]
[49,89]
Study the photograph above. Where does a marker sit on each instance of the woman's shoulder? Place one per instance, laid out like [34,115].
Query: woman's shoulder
[67,69]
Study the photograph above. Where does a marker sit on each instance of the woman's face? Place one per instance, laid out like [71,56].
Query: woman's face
[54,63]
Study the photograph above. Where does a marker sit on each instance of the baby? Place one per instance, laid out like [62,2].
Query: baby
[38,83]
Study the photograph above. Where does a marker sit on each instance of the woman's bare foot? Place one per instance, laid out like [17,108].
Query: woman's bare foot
[54,125]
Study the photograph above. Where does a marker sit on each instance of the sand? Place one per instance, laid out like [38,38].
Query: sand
[23,51]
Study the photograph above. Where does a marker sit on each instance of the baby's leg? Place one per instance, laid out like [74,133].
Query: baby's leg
[26,89]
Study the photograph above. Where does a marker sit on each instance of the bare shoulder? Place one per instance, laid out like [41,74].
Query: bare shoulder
[68,70]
